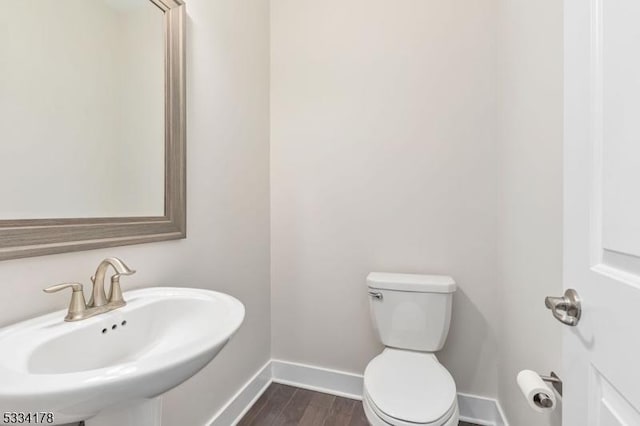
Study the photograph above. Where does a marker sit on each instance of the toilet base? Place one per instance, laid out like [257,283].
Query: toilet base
[374,420]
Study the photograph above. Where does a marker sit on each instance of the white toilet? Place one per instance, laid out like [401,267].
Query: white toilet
[406,385]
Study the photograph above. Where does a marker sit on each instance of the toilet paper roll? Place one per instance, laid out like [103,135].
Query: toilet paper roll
[533,387]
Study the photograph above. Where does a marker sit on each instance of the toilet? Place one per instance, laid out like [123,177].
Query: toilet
[406,385]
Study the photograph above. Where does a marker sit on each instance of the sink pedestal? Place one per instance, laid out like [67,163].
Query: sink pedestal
[142,412]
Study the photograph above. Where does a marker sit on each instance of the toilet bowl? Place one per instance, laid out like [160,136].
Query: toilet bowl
[409,388]
[406,385]
[376,418]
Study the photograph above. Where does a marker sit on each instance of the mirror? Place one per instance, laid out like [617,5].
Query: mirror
[93,124]
[82,109]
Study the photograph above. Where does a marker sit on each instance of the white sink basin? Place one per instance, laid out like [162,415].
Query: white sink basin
[111,367]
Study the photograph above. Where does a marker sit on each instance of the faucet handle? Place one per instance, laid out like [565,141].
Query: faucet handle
[58,287]
[115,291]
[77,306]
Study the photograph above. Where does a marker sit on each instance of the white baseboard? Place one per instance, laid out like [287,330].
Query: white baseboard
[475,409]
[240,403]
[319,379]
[481,410]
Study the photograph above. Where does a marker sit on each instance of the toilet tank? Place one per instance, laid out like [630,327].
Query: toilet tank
[411,311]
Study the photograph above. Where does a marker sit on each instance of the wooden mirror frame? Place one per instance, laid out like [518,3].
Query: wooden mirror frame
[37,237]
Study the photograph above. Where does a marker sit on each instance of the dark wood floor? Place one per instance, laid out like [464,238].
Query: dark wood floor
[282,405]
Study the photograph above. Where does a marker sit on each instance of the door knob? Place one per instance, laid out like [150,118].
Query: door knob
[566,309]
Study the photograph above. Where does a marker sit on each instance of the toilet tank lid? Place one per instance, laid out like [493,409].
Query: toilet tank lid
[411,282]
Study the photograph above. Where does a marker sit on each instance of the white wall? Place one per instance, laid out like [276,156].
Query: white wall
[383,158]
[227,248]
[531,209]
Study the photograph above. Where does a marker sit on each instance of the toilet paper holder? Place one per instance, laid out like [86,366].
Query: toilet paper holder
[543,400]
[555,381]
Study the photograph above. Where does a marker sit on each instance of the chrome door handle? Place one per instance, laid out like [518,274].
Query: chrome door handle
[566,309]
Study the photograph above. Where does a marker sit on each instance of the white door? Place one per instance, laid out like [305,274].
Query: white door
[601,355]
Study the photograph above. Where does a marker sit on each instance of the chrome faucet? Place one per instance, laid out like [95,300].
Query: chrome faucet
[98,303]
[98,295]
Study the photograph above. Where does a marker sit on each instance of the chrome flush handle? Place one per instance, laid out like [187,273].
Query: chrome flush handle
[566,309]
[375,294]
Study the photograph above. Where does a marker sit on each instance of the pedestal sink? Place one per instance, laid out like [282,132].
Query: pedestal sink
[111,369]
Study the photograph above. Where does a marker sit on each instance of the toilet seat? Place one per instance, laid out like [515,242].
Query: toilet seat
[377,418]
[410,388]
